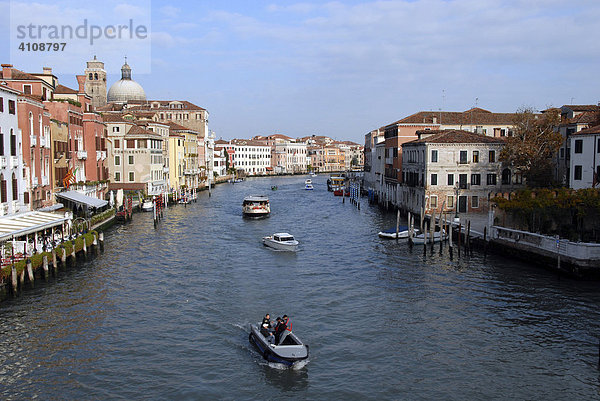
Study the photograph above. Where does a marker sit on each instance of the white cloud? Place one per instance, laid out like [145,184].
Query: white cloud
[170,11]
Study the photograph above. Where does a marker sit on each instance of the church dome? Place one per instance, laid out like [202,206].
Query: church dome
[125,89]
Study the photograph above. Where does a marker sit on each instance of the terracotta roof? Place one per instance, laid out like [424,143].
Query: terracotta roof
[164,104]
[591,130]
[453,136]
[581,107]
[110,107]
[18,74]
[475,116]
[65,90]
[246,142]
[178,127]
[32,97]
[136,130]
[114,118]
[221,142]
[586,117]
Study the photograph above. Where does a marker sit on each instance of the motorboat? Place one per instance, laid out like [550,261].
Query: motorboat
[235,180]
[437,237]
[289,351]
[308,181]
[309,187]
[274,188]
[281,242]
[313,174]
[256,206]
[402,233]
[147,205]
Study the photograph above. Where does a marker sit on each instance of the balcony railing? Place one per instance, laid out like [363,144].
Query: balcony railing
[82,154]
[33,140]
[45,180]
[15,206]
[3,209]
[3,162]
[14,161]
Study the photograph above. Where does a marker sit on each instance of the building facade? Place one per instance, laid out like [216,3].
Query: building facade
[584,163]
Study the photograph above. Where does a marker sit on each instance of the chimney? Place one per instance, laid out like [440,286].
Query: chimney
[47,70]
[7,71]
[81,82]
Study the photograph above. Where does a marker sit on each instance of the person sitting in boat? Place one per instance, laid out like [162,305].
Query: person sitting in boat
[279,329]
[265,326]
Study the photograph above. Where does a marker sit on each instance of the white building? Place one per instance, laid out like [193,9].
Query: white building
[584,167]
[443,165]
[251,157]
[12,184]
[289,157]
[371,140]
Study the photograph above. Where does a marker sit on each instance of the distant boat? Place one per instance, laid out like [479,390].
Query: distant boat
[274,188]
[437,237]
[147,205]
[309,187]
[391,233]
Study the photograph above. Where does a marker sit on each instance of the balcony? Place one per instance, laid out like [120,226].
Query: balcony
[82,154]
[34,181]
[3,209]
[33,140]
[14,161]
[45,142]
[3,162]
[15,206]
[45,180]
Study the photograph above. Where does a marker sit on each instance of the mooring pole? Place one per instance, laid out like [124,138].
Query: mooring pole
[397,223]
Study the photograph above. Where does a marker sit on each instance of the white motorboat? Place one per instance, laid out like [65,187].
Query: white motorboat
[437,237]
[281,242]
[256,206]
[309,187]
[308,181]
[147,205]
[402,233]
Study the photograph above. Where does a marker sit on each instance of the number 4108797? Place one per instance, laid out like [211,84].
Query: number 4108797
[42,47]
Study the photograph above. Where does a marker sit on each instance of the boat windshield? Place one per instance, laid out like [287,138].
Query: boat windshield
[284,238]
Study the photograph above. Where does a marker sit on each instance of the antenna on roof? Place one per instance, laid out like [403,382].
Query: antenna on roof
[572,100]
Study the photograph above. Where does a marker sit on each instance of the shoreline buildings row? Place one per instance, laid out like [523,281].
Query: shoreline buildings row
[94,139]
[450,161]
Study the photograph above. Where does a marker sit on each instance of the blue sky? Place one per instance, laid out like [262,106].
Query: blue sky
[343,68]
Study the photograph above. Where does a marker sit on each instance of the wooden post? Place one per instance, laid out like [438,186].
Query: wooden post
[45,266]
[459,235]
[397,223]
[101,240]
[54,262]
[450,233]
[84,245]
[425,231]
[63,257]
[95,243]
[30,271]
[73,255]
[22,278]
[13,280]
[468,241]
[343,194]
[432,229]
[485,241]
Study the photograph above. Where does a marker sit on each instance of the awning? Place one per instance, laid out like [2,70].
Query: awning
[28,223]
[78,197]
[269,169]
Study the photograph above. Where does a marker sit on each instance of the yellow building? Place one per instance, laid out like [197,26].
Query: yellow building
[176,160]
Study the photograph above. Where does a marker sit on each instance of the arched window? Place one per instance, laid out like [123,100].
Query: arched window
[13,143]
[96,76]
[506,176]
[91,76]
[15,188]
[2,189]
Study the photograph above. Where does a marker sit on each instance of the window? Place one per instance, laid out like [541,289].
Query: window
[462,181]
[433,202]
[492,156]
[475,201]
[578,145]
[15,188]
[475,156]
[463,157]
[117,144]
[597,147]
[2,190]
[433,179]
[475,179]
[130,143]
[491,179]
[11,107]
[13,143]
[130,159]
[562,153]
[578,171]
[450,201]
[117,176]
[131,176]
[117,160]
[1,105]
[434,156]
[450,179]
[115,129]
[27,89]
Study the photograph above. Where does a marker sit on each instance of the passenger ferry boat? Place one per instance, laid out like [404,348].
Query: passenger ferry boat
[336,183]
[256,206]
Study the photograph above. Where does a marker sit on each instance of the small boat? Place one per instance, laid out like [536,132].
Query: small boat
[289,351]
[147,205]
[437,237]
[402,233]
[256,206]
[234,180]
[308,181]
[281,242]
[309,187]
[274,188]
[313,174]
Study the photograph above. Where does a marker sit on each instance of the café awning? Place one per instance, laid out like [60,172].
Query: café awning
[78,197]
[28,223]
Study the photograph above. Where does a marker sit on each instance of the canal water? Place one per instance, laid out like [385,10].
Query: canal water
[164,313]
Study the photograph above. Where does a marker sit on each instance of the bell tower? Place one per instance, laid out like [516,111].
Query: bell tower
[95,82]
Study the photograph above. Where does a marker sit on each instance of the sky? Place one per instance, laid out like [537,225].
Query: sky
[343,68]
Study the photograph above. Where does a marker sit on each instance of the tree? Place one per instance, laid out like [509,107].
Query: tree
[354,161]
[533,144]
[226,159]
